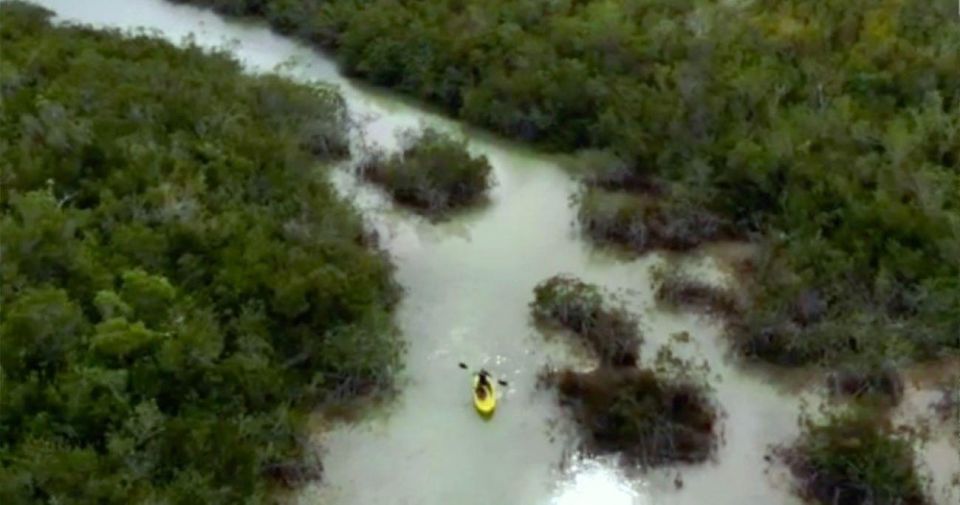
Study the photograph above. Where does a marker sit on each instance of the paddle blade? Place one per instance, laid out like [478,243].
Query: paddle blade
[502,383]
[463,366]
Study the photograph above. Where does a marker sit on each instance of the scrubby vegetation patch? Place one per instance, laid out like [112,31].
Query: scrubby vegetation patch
[854,457]
[581,308]
[642,222]
[433,172]
[649,416]
[682,291]
[867,380]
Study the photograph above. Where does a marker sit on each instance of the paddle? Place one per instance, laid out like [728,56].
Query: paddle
[484,372]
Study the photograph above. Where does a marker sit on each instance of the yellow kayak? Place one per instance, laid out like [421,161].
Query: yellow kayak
[488,402]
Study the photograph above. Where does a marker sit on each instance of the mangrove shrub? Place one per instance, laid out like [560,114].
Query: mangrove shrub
[580,307]
[433,172]
[853,457]
[648,415]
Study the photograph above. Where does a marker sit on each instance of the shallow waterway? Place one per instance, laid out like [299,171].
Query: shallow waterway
[467,285]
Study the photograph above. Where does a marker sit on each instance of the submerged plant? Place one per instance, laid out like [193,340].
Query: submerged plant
[681,291]
[948,406]
[867,379]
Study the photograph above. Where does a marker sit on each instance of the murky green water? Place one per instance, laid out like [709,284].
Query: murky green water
[467,285]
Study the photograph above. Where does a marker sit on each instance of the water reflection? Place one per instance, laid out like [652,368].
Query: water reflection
[593,482]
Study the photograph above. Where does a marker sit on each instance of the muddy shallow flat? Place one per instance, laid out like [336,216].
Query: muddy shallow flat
[467,284]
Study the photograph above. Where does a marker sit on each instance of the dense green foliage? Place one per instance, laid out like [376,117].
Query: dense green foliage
[830,127]
[433,172]
[852,458]
[179,283]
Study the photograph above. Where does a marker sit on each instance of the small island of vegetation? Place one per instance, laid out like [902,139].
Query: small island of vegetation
[180,284]
[433,172]
[649,416]
[854,457]
[580,308]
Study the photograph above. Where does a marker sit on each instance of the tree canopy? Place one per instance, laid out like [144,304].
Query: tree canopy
[180,284]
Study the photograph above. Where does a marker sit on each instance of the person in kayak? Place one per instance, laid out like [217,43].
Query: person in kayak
[483,385]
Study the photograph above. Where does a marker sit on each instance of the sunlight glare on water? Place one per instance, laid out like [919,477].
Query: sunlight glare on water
[593,483]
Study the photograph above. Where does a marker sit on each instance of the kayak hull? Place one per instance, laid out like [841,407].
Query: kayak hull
[487,405]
